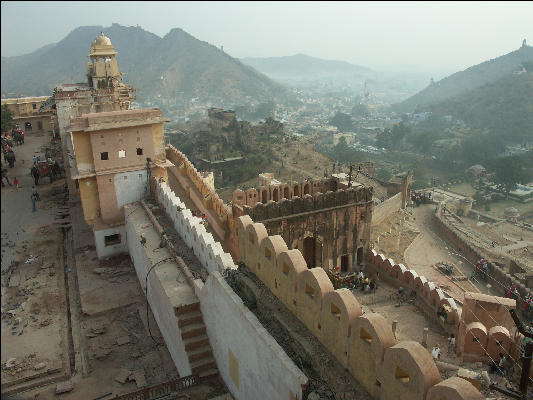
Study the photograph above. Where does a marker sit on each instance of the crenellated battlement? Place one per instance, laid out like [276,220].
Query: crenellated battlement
[363,343]
[308,203]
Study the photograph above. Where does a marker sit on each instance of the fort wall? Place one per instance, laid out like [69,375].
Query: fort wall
[498,277]
[385,209]
[364,344]
[265,373]
[483,318]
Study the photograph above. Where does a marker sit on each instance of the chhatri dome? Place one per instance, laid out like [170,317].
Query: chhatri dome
[101,46]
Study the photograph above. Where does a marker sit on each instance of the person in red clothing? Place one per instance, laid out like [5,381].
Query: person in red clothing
[16,182]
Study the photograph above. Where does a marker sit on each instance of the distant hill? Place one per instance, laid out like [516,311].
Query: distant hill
[503,107]
[301,67]
[467,80]
[189,67]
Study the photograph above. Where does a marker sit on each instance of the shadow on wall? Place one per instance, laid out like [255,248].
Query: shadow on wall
[364,344]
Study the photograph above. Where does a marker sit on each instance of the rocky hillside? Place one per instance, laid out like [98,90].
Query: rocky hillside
[464,81]
[503,107]
[175,65]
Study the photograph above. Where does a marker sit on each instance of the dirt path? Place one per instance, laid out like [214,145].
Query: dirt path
[16,203]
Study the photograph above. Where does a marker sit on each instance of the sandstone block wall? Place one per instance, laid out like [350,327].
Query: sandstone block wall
[364,344]
[482,325]
[383,210]
[498,278]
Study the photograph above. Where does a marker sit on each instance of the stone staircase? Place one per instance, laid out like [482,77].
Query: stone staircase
[194,335]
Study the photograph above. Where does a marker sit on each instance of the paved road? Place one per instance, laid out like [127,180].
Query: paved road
[16,203]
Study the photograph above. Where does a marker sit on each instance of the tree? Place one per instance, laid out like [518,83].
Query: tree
[7,119]
[342,121]
[508,172]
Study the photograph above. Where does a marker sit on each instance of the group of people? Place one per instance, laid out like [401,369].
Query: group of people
[7,150]
[482,268]
[365,283]
[420,197]
[435,352]
[9,154]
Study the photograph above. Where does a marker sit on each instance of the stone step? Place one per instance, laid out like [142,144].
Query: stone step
[189,331]
[196,342]
[199,353]
[189,318]
[187,308]
[203,364]
[208,373]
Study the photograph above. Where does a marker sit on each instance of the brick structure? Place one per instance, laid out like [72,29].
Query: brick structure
[330,226]
[115,154]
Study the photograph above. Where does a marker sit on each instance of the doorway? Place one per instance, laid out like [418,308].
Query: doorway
[309,251]
[344,263]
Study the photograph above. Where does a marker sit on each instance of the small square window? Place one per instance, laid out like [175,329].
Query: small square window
[139,151]
[112,239]
[101,136]
[34,106]
[110,180]
[104,156]
[121,153]
[138,139]
[125,177]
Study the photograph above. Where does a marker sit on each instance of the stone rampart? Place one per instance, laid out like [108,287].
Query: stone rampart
[193,232]
[492,337]
[498,277]
[275,193]
[210,198]
[307,203]
[363,343]
[385,209]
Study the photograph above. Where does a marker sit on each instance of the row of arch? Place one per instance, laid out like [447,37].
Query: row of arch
[472,338]
[427,291]
[363,343]
[275,193]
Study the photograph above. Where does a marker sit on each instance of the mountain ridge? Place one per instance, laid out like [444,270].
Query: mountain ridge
[189,67]
[463,81]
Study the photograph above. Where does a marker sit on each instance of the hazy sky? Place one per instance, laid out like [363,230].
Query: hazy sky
[428,36]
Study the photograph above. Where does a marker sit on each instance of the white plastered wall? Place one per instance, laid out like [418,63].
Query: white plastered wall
[251,362]
[105,251]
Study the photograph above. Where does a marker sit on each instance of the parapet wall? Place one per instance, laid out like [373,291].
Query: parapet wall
[364,344]
[429,297]
[264,373]
[193,232]
[251,362]
[161,281]
[472,322]
[385,209]
[211,200]
[498,278]
[264,194]
[307,203]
